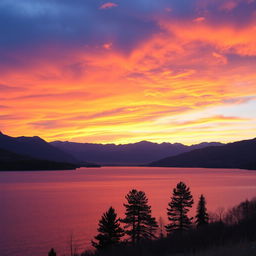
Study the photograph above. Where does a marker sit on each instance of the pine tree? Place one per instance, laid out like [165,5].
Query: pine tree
[161,227]
[178,209]
[52,252]
[109,230]
[202,217]
[138,220]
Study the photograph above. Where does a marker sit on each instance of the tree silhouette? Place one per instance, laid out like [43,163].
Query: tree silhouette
[52,252]
[109,230]
[161,227]
[202,217]
[178,208]
[138,220]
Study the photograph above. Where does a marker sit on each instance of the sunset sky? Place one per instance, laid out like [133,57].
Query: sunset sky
[128,70]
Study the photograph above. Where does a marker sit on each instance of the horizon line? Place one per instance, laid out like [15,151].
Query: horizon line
[120,144]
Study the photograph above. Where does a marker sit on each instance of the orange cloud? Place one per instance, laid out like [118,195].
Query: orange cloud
[107,46]
[213,119]
[222,59]
[228,6]
[108,5]
[199,19]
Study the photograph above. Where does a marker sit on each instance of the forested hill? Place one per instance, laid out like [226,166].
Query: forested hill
[241,154]
[10,161]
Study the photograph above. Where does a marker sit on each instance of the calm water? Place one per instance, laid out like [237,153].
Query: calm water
[40,210]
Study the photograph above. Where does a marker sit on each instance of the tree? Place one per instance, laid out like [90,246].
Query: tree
[161,227]
[52,252]
[202,217]
[109,230]
[73,248]
[179,206]
[138,220]
[220,213]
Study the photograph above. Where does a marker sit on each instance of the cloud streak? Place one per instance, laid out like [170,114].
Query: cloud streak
[108,5]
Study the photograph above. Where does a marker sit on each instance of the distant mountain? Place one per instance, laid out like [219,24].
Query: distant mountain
[10,161]
[127,154]
[241,154]
[35,147]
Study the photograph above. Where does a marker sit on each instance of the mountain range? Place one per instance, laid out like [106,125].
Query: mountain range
[32,153]
[139,153]
[240,154]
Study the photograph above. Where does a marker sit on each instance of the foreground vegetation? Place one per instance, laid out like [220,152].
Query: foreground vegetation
[241,249]
[139,234]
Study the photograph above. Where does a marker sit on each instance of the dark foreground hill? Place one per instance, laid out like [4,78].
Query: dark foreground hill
[241,154]
[10,161]
[34,147]
[127,154]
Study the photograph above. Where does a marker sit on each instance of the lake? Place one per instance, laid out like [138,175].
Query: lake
[42,209]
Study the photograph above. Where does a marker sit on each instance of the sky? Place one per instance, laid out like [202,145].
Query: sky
[125,71]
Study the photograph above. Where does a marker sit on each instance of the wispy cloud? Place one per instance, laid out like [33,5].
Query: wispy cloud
[108,5]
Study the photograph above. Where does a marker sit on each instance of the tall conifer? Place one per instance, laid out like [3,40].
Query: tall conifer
[181,202]
[202,217]
[109,230]
[139,223]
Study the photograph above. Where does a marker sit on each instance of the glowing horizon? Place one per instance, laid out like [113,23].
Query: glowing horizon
[123,72]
